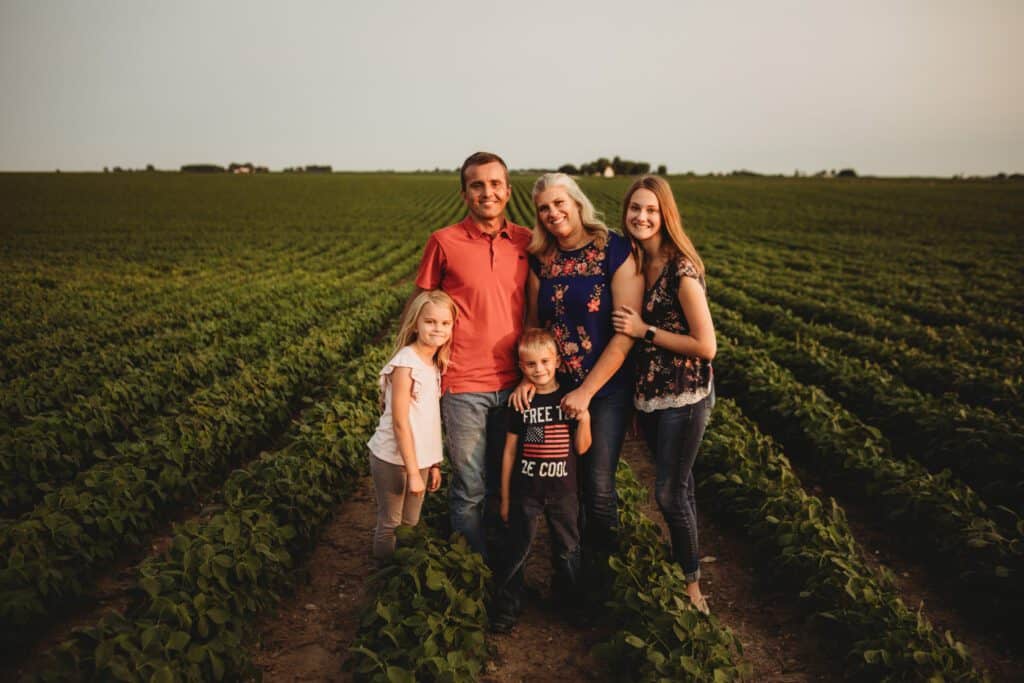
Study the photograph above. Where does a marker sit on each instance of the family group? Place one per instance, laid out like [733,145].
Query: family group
[524,354]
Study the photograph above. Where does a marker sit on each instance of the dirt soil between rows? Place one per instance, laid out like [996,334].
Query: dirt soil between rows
[308,637]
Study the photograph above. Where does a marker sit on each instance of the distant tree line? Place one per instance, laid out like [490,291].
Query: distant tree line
[618,166]
[234,167]
[311,168]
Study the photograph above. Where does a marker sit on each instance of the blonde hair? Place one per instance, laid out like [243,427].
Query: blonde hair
[542,244]
[678,241]
[407,328]
[537,338]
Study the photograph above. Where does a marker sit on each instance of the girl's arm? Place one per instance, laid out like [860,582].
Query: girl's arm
[524,393]
[583,438]
[508,460]
[627,290]
[401,397]
[701,340]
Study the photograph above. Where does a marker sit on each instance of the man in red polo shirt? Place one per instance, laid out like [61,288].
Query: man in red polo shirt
[481,263]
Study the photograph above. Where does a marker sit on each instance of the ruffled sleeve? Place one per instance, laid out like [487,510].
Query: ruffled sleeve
[685,268]
[405,358]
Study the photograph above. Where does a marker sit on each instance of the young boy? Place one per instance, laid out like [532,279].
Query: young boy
[538,475]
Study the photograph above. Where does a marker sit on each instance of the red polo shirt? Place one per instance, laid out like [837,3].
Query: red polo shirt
[486,277]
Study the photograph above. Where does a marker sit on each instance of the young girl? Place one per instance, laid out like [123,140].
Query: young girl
[406,448]
[674,391]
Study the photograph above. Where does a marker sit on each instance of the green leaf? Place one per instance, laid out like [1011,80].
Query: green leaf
[151,585]
[635,641]
[178,640]
[399,675]
[218,615]
[435,579]
[217,664]
[162,675]
[690,666]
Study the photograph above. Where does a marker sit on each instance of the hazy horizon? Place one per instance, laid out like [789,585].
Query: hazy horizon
[927,89]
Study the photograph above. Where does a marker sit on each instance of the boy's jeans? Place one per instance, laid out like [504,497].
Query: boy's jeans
[562,513]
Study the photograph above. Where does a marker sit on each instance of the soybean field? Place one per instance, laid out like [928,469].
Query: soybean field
[189,378]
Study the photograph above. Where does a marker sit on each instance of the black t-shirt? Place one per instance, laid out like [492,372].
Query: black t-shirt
[546,458]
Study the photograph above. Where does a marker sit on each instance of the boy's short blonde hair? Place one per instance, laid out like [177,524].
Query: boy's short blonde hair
[537,338]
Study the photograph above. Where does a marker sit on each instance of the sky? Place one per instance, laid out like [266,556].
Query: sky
[892,88]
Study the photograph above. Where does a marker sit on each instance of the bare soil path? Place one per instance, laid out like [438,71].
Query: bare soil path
[919,585]
[307,639]
[777,641]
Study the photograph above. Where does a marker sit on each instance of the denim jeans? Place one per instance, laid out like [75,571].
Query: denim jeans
[608,417]
[673,436]
[562,514]
[474,425]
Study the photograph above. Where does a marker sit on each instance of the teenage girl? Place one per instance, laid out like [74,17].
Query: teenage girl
[674,391]
[405,458]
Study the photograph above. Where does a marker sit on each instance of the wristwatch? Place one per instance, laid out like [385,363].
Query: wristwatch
[649,334]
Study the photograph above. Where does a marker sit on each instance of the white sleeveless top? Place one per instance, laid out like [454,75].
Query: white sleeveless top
[424,412]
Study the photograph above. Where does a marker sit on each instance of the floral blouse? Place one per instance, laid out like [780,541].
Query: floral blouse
[575,303]
[665,379]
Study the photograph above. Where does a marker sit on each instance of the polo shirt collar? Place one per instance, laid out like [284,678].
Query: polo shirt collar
[473,231]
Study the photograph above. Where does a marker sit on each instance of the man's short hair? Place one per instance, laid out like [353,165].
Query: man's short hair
[479,159]
[537,338]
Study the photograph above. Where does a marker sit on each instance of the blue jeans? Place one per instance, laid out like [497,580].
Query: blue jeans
[474,425]
[562,514]
[608,417]
[673,436]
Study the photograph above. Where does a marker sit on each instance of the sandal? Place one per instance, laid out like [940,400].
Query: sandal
[701,605]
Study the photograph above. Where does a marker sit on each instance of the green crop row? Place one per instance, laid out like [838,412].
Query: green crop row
[660,635]
[221,315]
[935,512]
[819,305]
[937,304]
[51,551]
[167,319]
[427,619]
[49,451]
[936,432]
[195,602]
[45,305]
[807,547]
[207,299]
[977,385]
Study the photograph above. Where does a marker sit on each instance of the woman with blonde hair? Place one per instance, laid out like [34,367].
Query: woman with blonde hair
[579,273]
[675,390]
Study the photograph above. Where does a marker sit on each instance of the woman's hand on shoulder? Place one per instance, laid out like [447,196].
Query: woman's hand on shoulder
[627,320]
[522,395]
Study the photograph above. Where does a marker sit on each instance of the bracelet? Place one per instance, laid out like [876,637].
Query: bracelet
[435,466]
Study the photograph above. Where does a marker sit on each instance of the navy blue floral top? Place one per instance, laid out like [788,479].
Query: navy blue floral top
[575,303]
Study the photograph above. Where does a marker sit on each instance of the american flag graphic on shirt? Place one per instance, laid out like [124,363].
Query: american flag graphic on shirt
[546,441]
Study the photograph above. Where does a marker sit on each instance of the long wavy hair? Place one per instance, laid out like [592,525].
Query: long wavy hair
[542,244]
[407,328]
[677,242]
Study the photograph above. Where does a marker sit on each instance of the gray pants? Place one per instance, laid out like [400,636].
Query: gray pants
[394,505]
